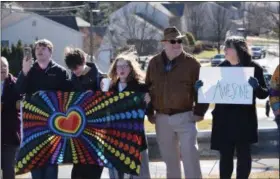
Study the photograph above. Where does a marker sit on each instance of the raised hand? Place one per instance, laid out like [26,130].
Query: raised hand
[26,65]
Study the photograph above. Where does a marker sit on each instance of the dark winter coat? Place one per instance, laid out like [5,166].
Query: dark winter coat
[236,123]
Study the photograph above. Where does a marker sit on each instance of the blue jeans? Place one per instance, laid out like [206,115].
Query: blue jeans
[47,172]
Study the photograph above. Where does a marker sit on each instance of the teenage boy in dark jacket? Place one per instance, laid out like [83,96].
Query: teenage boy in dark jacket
[85,76]
[44,74]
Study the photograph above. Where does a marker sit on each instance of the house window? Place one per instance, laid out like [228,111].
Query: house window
[34,23]
[4,43]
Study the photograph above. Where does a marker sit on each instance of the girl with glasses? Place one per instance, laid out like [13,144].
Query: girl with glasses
[126,75]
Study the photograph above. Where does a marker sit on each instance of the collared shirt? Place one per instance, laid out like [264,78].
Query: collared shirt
[168,64]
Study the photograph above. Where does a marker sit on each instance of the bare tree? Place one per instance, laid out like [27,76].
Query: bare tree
[257,19]
[274,14]
[135,27]
[196,18]
[220,24]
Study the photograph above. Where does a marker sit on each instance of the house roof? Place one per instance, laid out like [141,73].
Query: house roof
[16,17]
[82,23]
[145,18]
[12,18]
[69,21]
[176,8]
[161,8]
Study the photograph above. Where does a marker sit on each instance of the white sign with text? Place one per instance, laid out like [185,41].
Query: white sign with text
[226,85]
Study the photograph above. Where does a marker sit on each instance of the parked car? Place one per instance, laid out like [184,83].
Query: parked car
[217,59]
[258,52]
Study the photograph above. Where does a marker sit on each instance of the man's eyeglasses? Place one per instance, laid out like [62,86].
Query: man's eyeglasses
[179,41]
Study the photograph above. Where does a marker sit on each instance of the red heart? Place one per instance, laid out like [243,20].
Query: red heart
[116,143]
[126,147]
[30,166]
[135,138]
[137,154]
[140,140]
[114,132]
[120,144]
[118,134]
[83,161]
[70,123]
[123,134]
[129,136]
[132,150]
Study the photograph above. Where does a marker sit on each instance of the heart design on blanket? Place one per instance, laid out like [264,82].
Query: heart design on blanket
[70,124]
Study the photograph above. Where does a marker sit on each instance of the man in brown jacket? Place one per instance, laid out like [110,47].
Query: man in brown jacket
[171,76]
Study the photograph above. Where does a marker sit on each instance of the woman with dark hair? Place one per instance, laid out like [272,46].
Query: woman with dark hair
[235,126]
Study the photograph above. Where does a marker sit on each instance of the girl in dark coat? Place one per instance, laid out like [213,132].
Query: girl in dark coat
[235,126]
[126,75]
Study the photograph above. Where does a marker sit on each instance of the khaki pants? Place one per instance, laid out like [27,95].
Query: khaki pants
[174,131]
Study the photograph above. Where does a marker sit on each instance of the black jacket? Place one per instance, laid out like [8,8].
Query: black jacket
[237,123]
[132,86]
[89,81]
[54,77]
[10,115]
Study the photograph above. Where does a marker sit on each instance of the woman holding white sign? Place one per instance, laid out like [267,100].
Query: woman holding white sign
[235,126]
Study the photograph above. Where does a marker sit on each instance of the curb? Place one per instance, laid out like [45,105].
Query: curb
[267,146]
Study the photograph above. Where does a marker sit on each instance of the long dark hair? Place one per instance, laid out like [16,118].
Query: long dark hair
[241,47]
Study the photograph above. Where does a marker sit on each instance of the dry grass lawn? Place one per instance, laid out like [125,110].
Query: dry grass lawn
[259,175]
[206,124]
[203,125]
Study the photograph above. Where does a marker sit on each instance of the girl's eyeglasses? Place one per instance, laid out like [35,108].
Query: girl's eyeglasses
[120,67]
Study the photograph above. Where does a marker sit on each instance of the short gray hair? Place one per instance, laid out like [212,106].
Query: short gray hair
[4,60]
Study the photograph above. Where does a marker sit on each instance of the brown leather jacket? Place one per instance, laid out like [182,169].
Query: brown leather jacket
[174,90]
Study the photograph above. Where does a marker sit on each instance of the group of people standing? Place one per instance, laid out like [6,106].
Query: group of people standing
[171,85]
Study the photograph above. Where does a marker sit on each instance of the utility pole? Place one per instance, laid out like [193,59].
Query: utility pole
[243,9]
[92,8]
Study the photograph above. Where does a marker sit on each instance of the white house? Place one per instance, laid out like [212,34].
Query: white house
[129,19]
[28,27]
[135,20]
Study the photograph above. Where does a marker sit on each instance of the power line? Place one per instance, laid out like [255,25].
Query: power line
[56,9]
